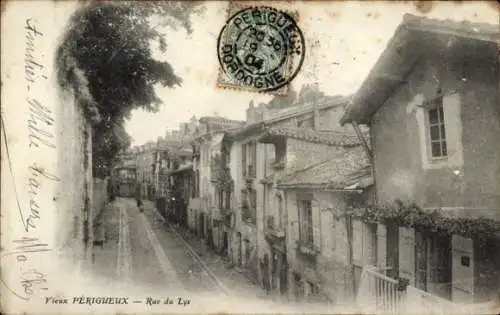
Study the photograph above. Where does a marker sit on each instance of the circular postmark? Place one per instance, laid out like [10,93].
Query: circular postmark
[260,48]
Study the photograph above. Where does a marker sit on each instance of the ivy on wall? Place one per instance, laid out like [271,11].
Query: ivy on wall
[411,215]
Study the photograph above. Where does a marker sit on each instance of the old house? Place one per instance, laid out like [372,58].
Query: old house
[251,163]
[179,177]
[315,175]
[206,206]
[145,156]
[432,104]
[160,177]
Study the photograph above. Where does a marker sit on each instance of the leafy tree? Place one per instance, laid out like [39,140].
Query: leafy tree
[106,58]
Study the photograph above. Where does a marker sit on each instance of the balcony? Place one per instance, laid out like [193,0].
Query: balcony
[278,164]
[307,248]
[247,215]
[272,231]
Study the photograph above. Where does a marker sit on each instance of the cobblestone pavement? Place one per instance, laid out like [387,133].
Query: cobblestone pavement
[141,249]
[144,253]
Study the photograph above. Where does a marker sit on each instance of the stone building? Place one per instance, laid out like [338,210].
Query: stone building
[145,156]
[252,161]
[432,105]
[205,207]
[315,176]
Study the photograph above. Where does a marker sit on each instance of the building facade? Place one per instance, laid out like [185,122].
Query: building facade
[123,180]
[308,237]
[431,102]
[252,162]
[209,199]
[145,157]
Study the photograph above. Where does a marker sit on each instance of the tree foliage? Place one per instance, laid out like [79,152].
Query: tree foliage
[106,58]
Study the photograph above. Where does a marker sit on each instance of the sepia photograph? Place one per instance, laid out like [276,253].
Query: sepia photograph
[250,157]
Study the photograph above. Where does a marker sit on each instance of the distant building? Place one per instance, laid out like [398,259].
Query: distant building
[123,179]
[205,208]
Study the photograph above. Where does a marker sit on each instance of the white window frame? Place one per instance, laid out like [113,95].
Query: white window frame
[453,129]
[436,105]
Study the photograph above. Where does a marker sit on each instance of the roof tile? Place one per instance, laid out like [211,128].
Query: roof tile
[342,170]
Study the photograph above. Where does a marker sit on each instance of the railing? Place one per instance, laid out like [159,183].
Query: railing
[272,229]
[270,222]
[278,164]
[379,294]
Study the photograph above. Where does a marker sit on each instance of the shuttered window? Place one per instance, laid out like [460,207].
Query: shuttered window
[306,231]
[407,254]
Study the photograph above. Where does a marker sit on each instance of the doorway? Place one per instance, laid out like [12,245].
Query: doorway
[283,283]
[239,251]
[225,242]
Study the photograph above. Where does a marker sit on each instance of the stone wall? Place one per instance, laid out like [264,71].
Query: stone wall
[75,191]
[99,196]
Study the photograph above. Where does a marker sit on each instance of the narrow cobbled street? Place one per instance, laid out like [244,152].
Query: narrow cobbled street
[144,250]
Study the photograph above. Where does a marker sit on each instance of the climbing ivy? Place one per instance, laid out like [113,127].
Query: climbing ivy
[411,215]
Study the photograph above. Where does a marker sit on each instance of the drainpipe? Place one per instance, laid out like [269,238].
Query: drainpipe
[363,140]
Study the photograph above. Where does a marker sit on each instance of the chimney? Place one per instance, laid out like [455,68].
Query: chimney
[251,113]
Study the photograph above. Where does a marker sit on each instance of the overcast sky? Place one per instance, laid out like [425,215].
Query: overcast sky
[343,41]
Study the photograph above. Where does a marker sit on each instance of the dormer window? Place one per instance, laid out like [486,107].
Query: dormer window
[437,132]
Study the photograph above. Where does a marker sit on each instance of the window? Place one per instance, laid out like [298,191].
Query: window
[249,158]
[220,198]
[306,123]
[437,133]
[249,205]
[253,205]
[227,195]
[244,199]
[244,159]
[306,222]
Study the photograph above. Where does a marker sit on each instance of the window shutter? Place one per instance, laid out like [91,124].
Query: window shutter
[357,242]
[462,269]
[244,158]
[369,238]
[316,221]
[453,125]
[381,245]
[407,254]
[294,222]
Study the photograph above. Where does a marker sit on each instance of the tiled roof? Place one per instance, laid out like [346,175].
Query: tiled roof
[402,52]
[289,113]
[339,172]
[316,136]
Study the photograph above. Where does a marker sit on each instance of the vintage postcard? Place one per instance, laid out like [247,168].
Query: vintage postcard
[236,157]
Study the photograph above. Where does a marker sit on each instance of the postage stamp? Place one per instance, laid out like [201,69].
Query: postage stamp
[260,49]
